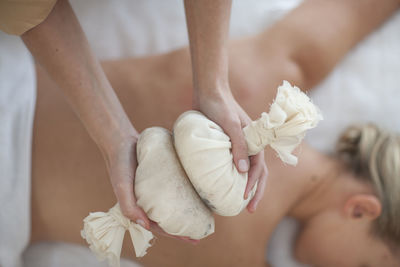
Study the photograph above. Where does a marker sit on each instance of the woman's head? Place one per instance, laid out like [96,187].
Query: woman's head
[374,156]
[362,226]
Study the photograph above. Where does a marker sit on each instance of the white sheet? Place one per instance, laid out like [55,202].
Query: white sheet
[17,98]
[365,86]
[126,28]
[48,254]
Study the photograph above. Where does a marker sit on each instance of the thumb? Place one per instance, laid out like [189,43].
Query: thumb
[239,148]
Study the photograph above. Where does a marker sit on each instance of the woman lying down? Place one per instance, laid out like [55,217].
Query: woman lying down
[347,203]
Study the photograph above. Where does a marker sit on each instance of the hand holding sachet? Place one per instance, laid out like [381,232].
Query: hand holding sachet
[179,177]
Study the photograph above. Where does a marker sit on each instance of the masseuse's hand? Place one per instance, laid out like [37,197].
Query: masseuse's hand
[121,165]
[208,26]
[220,106]
[60,47]
[63,51]
[258,174]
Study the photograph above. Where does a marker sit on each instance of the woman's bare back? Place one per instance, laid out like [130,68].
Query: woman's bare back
[70,179]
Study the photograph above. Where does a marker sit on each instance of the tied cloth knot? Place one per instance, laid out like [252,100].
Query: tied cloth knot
[283,128]
[104,231]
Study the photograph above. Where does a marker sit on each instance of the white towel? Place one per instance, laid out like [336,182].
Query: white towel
[17,101]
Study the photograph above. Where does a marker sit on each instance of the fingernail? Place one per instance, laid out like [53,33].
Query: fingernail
[243,165]
[195,242]
[252,209]
[141,223]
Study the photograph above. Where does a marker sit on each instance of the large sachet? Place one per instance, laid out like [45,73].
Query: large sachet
[163,191]
[205,150]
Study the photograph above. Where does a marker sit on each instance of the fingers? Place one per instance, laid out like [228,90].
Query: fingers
[127,201]
[257,166]
[122,167]
[239,146]
[136,214]
[189,240]
[227,113]
[262,181]
[157,229]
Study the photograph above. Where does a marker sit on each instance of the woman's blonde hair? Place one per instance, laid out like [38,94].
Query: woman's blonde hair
[374,155]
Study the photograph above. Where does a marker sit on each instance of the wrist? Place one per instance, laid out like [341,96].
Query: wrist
[216,95]
[218,88]
[119,152]
[210,73]
[117,139]
[112,152]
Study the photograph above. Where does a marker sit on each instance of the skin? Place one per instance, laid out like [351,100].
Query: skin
[336,210]
[208,27]
[64,53]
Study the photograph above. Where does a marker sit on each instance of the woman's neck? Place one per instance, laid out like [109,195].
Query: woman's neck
[326,183]
[319,187]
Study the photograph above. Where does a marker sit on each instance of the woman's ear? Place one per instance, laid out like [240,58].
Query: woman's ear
[363,206]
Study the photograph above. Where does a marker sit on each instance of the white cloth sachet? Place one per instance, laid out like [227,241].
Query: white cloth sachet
[205,153]
[205,150]
[105,231]
[164,191]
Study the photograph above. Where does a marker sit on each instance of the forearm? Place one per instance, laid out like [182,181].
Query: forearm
[208,27]
[60,47]
[319,33]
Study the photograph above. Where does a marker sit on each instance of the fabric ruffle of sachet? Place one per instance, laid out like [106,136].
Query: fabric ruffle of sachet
[291,114]
[105,231]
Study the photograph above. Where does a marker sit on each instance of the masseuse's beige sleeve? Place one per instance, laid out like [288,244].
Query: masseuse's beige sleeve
[19,16]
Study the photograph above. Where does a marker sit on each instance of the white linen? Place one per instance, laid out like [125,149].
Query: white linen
[364,87]
[17,102]
[279,253]
[55,254]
